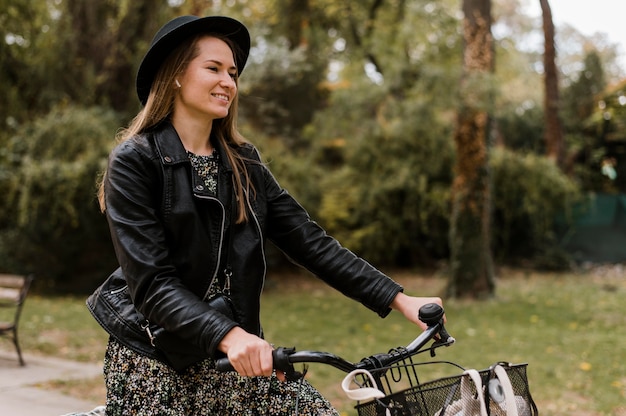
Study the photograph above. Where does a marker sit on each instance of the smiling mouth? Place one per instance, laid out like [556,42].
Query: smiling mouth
[222,97]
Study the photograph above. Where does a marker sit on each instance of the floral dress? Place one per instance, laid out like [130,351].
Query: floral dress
[139,385]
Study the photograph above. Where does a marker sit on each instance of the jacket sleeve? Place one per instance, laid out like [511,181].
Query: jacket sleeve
[292,230]
[133,194]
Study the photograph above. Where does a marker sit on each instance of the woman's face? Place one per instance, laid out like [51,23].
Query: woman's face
[207,86]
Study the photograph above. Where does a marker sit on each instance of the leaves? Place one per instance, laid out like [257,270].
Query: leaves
[50,190]
[352,103]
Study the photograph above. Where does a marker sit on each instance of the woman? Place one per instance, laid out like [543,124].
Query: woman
[190,206]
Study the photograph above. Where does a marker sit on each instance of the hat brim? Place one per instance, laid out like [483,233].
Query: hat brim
[181,28]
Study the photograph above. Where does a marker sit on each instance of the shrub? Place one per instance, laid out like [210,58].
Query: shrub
[50,224]
[389,201]
[529,193]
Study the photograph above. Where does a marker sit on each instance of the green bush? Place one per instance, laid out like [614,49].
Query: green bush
[529,193]
[389,200]
[383,192]
[51,225]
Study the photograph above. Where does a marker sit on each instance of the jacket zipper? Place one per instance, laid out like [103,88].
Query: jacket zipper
[258,227]
[145,326]
[219,253]
[116,291]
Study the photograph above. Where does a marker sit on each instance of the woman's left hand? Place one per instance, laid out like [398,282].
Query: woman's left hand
[409,306]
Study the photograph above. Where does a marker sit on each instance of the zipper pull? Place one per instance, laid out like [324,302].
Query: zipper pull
[227,274]
[146,327]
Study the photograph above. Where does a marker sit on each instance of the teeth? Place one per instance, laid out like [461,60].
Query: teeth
[221,96]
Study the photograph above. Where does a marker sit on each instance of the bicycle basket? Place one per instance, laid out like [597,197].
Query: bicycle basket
[438,397]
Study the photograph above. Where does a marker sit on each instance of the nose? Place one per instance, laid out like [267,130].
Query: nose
[228,81]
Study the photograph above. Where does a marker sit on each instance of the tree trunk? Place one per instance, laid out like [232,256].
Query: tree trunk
[103,40]
[470,231]
[554,131]
[137,23]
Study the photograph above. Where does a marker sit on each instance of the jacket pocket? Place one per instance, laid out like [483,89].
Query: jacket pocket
[112,307]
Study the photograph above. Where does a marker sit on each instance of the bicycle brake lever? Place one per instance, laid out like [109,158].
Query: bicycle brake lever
[444,340]
[445,337]
[282,363]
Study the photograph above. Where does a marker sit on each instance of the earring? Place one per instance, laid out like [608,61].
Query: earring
[177,83]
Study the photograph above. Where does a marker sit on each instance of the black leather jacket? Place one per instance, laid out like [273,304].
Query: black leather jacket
[168,234]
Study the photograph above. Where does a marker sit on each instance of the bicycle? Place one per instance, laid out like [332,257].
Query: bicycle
[388,384]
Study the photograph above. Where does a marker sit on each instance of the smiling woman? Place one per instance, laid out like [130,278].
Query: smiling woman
[205,92]
[190,205]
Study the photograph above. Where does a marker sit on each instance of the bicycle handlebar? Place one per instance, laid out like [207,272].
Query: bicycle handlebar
[431,314]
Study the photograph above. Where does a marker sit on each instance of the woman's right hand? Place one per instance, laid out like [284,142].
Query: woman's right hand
[248,354]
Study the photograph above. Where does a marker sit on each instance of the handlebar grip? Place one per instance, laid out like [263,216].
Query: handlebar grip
[280,357]
[223,365]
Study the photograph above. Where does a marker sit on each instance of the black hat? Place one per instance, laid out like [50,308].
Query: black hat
[177,30]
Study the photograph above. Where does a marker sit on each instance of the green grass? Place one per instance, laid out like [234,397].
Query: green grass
[59,326]
[569,328]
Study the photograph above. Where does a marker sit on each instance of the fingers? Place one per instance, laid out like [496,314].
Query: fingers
[253,359]
[248,354]
[410,305]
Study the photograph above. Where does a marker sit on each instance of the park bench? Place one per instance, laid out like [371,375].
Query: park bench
[13,291]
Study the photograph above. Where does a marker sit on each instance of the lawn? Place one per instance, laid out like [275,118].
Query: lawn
[568,327]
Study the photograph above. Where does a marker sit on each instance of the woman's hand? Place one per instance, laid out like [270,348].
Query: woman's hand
[248,354]
[409,306]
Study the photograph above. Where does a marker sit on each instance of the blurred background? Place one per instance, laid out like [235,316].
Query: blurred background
[369,112]
[354,105]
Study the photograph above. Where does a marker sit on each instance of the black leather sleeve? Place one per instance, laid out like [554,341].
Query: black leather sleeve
[292,230]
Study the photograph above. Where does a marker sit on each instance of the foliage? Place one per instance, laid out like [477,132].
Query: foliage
[72,51]
[529,192]
[580,96]
[521,129]
[49,212]
[390,200]
[601,157]
[281,102]
[352,103]
[518,112]
[586,146]
[24,28]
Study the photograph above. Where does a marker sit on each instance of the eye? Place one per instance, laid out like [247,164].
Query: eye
[233,75]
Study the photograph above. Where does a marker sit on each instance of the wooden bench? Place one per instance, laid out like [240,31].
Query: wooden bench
[13,291]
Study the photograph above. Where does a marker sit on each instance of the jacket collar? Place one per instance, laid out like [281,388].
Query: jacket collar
[171,150]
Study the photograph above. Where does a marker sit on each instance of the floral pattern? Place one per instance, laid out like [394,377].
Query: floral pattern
[206,167]
[139,385]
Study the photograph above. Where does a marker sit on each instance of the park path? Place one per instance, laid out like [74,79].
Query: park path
[22,395]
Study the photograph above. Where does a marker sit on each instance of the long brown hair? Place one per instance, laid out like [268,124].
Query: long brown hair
[160,105]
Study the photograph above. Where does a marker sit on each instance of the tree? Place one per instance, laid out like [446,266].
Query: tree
[384,140]
[470,231]
[554,130]
[579,99]
[25,56]
[102,41]
[284,88]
